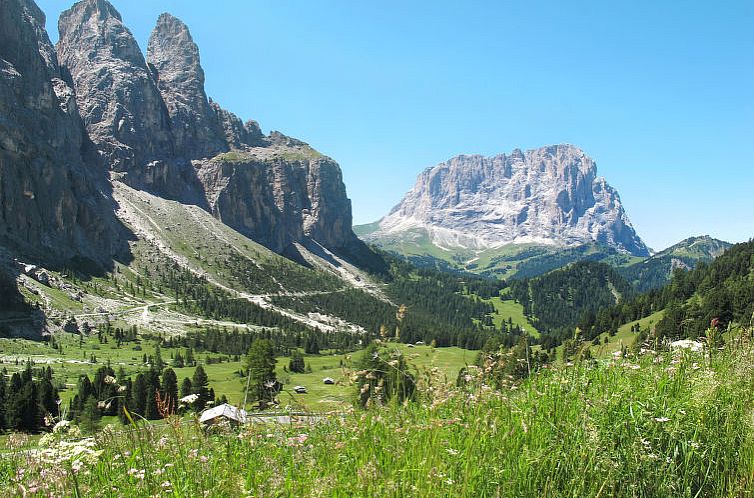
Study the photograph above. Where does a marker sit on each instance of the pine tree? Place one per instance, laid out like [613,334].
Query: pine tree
[153,387]
[260,362]
[169,389]
[24,414]
[186,388]
[90,416]
[140,393]
[296,364]
[199,385]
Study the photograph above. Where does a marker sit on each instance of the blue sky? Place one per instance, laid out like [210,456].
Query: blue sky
[660,94]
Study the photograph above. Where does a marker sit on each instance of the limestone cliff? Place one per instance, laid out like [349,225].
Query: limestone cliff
[53,205]
[151,120]
[550,195]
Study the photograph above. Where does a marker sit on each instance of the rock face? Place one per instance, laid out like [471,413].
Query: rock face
[174,59]
[152,121]
[550,195]
[280,194]
[117,97]
[51,204]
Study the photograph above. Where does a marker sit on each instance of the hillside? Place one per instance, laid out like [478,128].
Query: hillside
[656,271]
[561,300]
[720,290]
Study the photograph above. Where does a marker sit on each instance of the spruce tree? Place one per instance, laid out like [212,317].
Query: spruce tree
[199,386]
[186,388]
[260,363]
[140,393]
[169,389]
[296,364]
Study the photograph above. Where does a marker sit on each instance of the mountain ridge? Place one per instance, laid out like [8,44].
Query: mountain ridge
[547,196]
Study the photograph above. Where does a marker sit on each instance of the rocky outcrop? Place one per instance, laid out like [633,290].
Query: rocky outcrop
[51,202]
[550,195]
[280,194]
[174,59]
[201,128]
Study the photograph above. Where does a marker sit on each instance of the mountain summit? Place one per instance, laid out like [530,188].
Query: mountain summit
[546,196]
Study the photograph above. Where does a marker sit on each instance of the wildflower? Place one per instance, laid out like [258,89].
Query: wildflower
[61,426]
[190,399]
[662,420]
[137,473]
[203,459]
[451,451]
[109,379]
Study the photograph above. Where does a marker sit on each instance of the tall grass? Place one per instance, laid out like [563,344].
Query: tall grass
[654,425]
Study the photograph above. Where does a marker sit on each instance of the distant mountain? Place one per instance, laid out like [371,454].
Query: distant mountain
[656,271]
[549,196]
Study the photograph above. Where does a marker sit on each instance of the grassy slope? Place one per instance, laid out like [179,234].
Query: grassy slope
[507,308]
[624,336]
[654,425]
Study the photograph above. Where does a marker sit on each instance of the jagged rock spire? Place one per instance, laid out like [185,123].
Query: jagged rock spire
[118,99]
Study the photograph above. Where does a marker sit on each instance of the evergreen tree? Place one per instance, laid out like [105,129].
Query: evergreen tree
[48,397]
[296,364]
[186,387]
[90,416]
[3,400]
[151,411]
[140,393]
[24,414]
[169,389]
[199,386]
[260,363]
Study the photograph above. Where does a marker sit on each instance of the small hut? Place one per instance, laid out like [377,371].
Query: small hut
[223,413]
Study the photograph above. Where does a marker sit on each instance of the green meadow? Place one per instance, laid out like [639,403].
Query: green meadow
[656,424]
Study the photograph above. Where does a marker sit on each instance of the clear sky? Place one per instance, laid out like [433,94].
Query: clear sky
[659,93]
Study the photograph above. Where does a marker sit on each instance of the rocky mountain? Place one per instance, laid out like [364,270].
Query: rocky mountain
[546,196]
[657,270]
[53,204]
[151,120]
[111,158]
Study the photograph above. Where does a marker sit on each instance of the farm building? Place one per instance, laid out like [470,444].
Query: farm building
[224,412]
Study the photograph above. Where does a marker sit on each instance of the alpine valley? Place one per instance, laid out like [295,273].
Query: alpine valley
[166,266]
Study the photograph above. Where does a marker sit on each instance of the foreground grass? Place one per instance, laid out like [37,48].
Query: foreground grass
[660,424]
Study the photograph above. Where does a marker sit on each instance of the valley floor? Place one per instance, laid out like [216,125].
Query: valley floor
[660,424]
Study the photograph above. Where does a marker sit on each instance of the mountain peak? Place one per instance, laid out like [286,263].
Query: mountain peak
[550,195]
[174,60]
[116,95]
